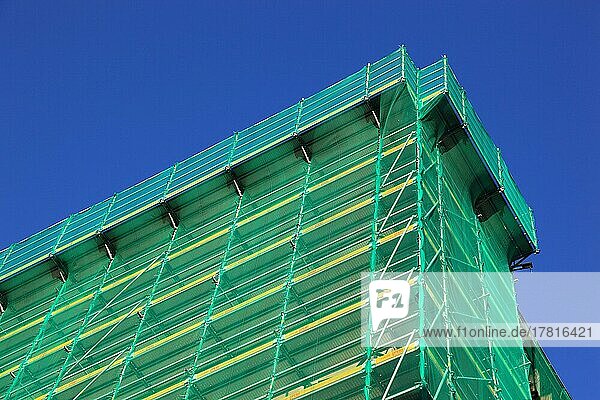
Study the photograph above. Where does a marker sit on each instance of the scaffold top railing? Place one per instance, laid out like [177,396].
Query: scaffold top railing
[426,85]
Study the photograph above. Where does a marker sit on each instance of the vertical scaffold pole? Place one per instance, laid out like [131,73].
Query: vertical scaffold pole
[294,244]
[8,252]
[486,306]
[402,63]
[463,100]
[108,210]
[207,319]
[222,268]
[500,169]
[2,262]
[86,321]
[532,222]
[62,234]
[170,180]
[445,268]
[37,340]
[367,78]
[445,58]
[147,305]
[289,283]
[373,259]
[420,238]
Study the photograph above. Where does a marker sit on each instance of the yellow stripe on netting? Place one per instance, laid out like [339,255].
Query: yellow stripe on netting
[399,147]
[190,185]
[338,215]
[432,95]
[209,276]
[200,242]
[234,360]
[323,383]
[312,325]
[345,373]
[386,86]
[261,348]
[166,390]
[192,327]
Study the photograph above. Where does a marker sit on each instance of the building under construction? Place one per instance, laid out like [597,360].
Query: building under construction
[235,274]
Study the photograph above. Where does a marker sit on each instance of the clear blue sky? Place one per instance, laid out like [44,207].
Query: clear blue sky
[97,96]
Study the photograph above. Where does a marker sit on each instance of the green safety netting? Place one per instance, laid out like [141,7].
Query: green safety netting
[430,82]
[236,273]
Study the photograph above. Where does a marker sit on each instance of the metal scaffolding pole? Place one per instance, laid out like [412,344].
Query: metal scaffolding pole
[129,356]
[397,368]
[86,320]
[373,258]
[220,274]
[2,262]
[486,305]
[420,238]
[108,210]
[445,267]
[288,284]
[38,338]
[218,280]
[62,234]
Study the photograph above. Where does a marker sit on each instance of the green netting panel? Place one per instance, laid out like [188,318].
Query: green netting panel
[455,241]
[431,80]
[86,222]
[265,133]
[201,166]
[490,154]
[220,312]
[341,95]
[35,247]
[386,71]
[141,195]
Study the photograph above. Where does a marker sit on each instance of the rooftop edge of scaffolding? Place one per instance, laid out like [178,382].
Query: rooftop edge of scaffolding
[427,85]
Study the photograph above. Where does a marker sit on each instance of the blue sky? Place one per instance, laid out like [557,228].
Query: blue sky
[97,96]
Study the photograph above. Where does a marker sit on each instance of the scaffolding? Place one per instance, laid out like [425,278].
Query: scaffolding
[235,274]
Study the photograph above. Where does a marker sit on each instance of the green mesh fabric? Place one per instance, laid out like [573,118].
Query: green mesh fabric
[255,293]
